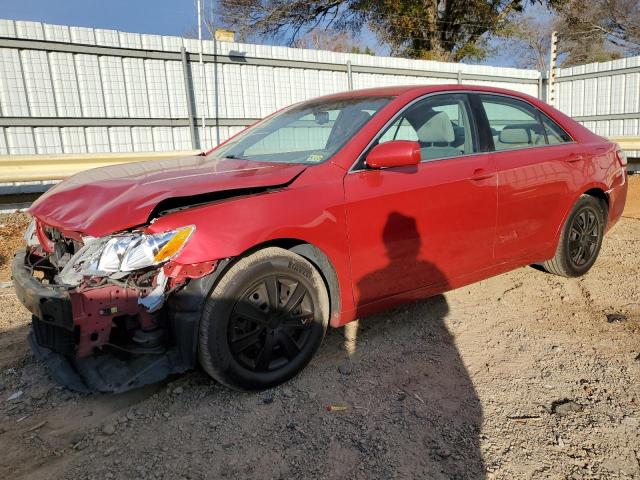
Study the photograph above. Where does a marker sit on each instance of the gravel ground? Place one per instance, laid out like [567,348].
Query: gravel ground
[524,375]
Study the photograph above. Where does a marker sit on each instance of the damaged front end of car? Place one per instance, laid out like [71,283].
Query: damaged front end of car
[112,313]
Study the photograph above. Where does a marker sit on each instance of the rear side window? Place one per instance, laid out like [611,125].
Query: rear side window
[441,124]
[517,124]
[555,134]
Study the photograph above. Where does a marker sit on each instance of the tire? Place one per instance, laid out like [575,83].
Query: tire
[263,321]
[580,239]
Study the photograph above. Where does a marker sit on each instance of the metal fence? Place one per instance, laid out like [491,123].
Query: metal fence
[75,90]
[605,97]
[81,90]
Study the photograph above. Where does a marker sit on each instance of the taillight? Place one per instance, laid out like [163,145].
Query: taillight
[621,156]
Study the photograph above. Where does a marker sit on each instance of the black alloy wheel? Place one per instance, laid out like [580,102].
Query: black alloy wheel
[584,236]
[264,320]
[271,323]
[580,239]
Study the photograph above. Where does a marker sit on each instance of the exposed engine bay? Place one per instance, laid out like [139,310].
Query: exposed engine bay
[97,305]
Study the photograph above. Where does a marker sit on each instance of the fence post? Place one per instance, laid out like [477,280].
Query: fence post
[349,75]
[188,86]
[544,86]
[553,61]
[540,87]
[459,77]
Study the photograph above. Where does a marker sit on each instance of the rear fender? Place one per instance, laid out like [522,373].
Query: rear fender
[592,186]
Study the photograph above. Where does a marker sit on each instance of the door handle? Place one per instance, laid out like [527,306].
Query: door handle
[481,174]
[574,158]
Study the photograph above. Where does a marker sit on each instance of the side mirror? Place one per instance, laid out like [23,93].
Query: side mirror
[397,153]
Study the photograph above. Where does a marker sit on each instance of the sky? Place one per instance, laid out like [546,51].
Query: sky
[162,17]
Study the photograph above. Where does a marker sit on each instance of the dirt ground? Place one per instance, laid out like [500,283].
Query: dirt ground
[525,375]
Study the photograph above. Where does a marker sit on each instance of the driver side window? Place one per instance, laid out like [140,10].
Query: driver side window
[440,124]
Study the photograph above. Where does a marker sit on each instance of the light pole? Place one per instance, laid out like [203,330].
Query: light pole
[202,84]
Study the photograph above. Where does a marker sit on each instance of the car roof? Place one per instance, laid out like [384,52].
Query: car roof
[417,90]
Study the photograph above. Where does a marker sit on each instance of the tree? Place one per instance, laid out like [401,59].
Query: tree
[429,29]
[600,31]
[330,39]
[526,41]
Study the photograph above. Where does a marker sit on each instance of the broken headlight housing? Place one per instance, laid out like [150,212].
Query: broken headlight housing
[124,253]
[30,237]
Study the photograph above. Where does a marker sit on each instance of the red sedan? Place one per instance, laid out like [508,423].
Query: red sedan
[331,209]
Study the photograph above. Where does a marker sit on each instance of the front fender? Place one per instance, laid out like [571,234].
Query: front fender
[311,213]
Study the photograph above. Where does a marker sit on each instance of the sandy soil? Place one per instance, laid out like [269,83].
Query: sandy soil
[525,375]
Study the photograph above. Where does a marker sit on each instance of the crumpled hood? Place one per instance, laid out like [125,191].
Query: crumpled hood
[105,200]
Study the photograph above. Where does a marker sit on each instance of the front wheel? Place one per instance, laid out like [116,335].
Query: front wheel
[580,239]
[263,321]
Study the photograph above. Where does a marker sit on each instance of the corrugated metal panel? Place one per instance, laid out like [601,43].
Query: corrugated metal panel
[3,143]
[13,97]
[57,33]
[220,93]
[37,77]
[267,97]
[136,87]
[47,140]
[181,138]
[283,87]
[590,98]
[73,140]
[251,91]
[176,89]
[108,38]
[200,90]
[142,139]
[97,139]
[233,98]
[65,84]
[83,35]
[7,28]
[632,93]
[157,89]
[577,97]
[30,30]
[20,140]
[120,139]
[90,85]
[115,93]
[163,139]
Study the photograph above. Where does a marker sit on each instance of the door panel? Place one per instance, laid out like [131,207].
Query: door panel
[411,227]
[534,178]
[534,188]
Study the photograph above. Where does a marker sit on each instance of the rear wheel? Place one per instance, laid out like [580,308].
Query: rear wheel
[263,321]
[580,239]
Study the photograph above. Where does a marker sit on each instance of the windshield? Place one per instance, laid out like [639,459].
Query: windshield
[309,133]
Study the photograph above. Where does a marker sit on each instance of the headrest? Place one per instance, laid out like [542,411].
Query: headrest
[515,134]
[359,118]
[437,129]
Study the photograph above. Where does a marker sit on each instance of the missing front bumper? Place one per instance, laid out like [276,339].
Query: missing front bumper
[61,323]
[107,373]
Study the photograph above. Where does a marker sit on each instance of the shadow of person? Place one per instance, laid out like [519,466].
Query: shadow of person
[417,358]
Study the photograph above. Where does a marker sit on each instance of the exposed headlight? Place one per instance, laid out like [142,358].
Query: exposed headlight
[30,236]
[125,253]
[136,251]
